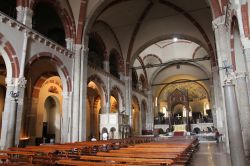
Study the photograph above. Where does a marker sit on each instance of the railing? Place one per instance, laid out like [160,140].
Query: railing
[35,35]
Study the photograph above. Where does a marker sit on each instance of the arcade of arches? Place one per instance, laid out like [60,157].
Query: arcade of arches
[71,70]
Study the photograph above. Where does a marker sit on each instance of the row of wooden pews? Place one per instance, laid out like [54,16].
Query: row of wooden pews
[146,151]
[49,154]
[172,151]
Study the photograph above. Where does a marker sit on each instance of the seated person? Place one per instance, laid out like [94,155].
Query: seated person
[105,136]
[93,139]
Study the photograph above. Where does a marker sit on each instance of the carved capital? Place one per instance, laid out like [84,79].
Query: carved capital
[218,22]
[9,81]
[229,80]
[22,82]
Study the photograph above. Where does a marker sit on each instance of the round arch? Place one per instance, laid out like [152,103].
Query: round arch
[166,37]
[67,21]
[117,93]
[61,68]
[99,82]
[10,58]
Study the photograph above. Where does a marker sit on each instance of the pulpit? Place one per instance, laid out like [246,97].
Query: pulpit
[112,123]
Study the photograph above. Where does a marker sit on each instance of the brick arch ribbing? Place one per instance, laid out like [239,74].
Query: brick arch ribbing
[68,23]
[81,21]
[115,89]
[13,59]
[97,80]
[216,9]
[245,19]
[56,61]
[38,84]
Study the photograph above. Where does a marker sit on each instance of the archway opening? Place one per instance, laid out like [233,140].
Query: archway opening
[3,73]
[52,118]
[114,106]
[135,116]
[94,97]
[9,7]
[114,64]
[96,51]
[47,22]
[144,115]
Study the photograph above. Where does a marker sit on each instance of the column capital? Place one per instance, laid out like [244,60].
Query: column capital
[78,47]
[229,79]
[9,81]
[219,21]
[22,82]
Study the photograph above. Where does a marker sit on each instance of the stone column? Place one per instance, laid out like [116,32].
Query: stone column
[222,37]
[8,117]
[234,132]
[21,84]
[128,99]
[65,117]
[244,109]
[76,94]
[83,94]
[106,66]
[217,105]
[24,15]
[150,111]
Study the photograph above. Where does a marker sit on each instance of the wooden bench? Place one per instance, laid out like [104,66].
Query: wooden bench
[128,160]
[88,163]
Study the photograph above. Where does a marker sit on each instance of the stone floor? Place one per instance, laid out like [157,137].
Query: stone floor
[212,154]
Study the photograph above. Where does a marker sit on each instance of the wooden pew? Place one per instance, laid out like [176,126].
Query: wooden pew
[128,160]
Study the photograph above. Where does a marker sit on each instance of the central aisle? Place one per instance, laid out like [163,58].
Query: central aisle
[211,154]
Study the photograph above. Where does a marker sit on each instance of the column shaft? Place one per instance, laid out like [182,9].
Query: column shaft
[244,110]
[76,95]
[234,132]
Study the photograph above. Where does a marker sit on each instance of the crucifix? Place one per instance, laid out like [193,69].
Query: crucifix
[178,116]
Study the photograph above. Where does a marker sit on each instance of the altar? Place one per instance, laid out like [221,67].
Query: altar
[180,127]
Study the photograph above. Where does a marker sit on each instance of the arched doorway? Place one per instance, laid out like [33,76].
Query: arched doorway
[48,108]
[135,116]
[143,115]
[52,118]
[95,97]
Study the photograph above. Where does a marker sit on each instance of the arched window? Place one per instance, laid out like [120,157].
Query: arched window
[47,22]
[96,51]
[8,7]
[114,64]
[134,79]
